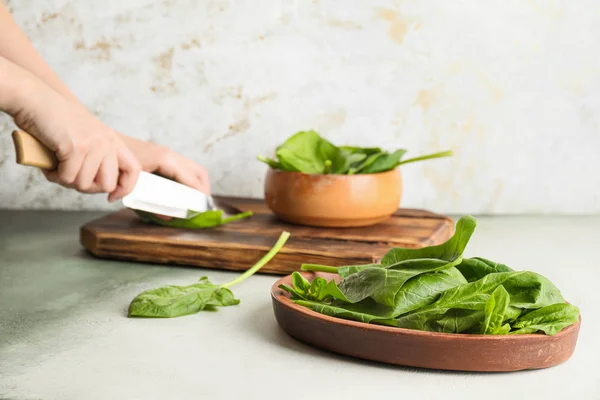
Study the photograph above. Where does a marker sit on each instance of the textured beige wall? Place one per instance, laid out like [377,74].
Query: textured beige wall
[512,86]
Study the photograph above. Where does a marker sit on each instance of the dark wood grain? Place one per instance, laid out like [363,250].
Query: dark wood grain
[236,246]
[459,352]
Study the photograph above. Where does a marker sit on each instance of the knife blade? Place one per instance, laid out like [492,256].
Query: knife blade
[151,193]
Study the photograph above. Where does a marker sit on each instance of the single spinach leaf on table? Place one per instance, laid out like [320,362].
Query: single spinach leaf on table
[176,301]
[207,219]
[550,319]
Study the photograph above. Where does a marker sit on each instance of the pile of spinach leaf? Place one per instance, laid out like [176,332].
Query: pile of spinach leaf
[207,219]
[309,153]
[177,301]
[436,289]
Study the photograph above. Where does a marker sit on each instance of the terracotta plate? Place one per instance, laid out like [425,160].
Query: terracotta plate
[461,352]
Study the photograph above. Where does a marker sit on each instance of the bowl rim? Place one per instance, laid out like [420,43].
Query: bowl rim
[338,176]
[283,298]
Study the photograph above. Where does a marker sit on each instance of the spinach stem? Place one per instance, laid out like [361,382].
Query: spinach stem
[235,217]
[447,153]
[318,268]
[327,168]
[261,263]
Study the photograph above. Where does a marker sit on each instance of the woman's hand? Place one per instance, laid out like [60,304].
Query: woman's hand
[92,158]
[166,162]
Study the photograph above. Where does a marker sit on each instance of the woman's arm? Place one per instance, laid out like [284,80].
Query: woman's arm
[91,158]
[153,158]
[16,47]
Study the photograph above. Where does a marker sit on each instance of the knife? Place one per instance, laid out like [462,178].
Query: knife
[151,193]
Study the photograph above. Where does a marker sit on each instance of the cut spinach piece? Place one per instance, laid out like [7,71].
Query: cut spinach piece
[177,301]
[207,219]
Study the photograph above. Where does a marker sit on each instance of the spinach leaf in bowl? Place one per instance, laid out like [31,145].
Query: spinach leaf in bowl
[309,153]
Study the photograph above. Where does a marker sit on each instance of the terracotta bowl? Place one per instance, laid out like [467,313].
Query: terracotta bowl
[333,200]
[447,351]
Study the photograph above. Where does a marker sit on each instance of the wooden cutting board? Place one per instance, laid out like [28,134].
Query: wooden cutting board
[238,245]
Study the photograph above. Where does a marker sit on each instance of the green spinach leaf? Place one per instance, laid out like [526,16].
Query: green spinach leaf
[366,311]
[527,290]
[449,251]
[550,319]
[383,163]
[319,289]
[207,219]
[476,268]
[176,301]
[309,153]
[495,310]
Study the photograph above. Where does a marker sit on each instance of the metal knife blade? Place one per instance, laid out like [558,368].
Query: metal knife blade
[163,196]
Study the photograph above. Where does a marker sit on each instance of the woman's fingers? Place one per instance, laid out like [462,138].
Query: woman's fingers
[69,168]
[129,169]
[108,174]
[89,170]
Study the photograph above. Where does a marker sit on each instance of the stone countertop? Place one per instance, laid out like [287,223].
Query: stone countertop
[64,332]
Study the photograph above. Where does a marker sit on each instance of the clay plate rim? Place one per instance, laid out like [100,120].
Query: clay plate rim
[281,297]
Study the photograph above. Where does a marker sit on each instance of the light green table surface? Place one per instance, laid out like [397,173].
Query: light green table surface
[64,334]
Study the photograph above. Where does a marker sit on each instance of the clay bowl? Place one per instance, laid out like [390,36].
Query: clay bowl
[460,352]
[338,201]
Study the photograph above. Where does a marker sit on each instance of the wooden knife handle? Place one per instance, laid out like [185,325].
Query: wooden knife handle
[32,152]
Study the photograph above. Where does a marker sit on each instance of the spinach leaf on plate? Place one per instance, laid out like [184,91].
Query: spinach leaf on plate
[436,289]
[449,250]
[550,319]
[527,290]
[417,292]
[476,268]
[495,311]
